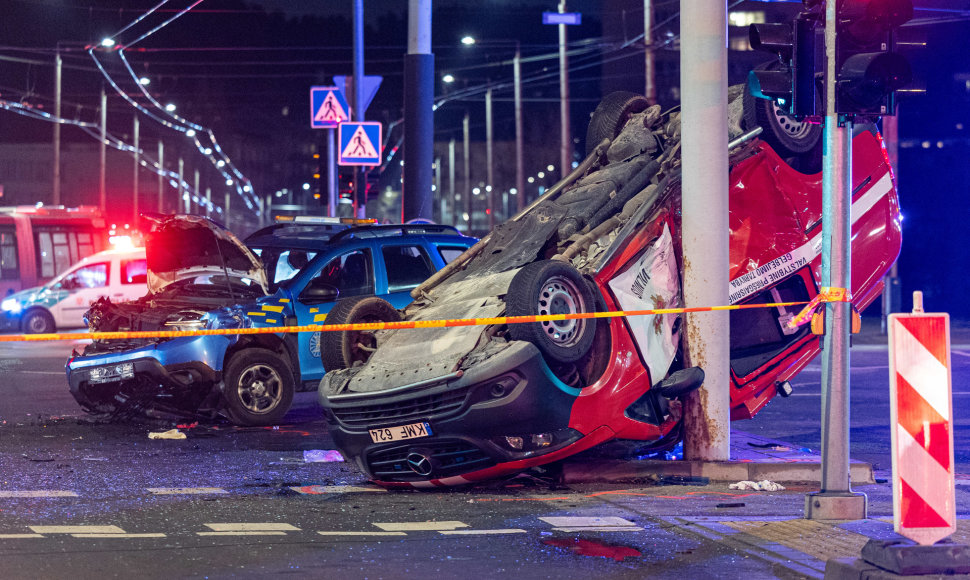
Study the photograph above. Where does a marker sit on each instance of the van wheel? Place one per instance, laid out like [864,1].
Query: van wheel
[611,115]
[341,349]
[551,287]
[38,322]
[258,387]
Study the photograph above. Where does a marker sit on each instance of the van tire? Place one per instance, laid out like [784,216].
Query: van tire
[38,321]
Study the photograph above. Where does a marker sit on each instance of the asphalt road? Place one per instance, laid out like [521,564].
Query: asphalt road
[81,499]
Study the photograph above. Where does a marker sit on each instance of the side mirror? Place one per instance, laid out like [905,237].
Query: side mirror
[318,291]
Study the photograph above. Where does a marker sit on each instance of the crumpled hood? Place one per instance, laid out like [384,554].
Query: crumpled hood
[184,246]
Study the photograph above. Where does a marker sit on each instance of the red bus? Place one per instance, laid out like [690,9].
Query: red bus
[37,243]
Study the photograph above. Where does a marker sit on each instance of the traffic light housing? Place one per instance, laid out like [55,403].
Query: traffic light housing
[868,70]
[791,81]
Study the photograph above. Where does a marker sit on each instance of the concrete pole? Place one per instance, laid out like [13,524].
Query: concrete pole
[360,197]
[134,185]
[418,114]
[519,133]
[225,219]
[489,168]
[650,91]
[332,195]
[103,188]
[451,182]
[57,129]
[208,202]
[467,191]
[442,198]
[703,81]
[181,190]
[161,177]
[835,501]
[195,191]
[566,152]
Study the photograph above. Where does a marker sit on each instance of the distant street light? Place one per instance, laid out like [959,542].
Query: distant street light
[170,107]
[448,79]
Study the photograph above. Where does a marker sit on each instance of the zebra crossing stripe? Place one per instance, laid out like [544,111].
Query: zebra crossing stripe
[591,524]
[420,526]
[76,529]
[39,493]
[373,533]
[148,535]
[185,490]
[252,527]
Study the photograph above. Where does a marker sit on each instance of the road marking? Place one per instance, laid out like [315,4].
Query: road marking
[185,490]
[252,527]
[39,493]
[19,536]
[241,533]
[150,535]
[420,526]
[77,529]
[57,373]
[324,489]
[480,532]
[374,533]
[583,524]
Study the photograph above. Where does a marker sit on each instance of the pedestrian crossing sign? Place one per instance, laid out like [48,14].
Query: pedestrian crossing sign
[328,108]
[360,143]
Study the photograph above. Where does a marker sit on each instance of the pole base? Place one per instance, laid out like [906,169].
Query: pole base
[845,505]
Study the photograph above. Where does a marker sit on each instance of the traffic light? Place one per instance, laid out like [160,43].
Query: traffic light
[792,80]
[868,70]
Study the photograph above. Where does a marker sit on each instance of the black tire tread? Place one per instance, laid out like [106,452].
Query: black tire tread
[335,346]
[610,115]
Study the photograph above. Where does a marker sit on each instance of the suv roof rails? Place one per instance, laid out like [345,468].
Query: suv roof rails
[395,230]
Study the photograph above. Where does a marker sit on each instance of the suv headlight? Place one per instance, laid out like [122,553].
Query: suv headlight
[186,320]
[11,305]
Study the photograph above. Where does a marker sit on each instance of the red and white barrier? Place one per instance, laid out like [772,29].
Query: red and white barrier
[924,497]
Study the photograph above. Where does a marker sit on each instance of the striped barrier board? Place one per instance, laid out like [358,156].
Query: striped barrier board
[921,402]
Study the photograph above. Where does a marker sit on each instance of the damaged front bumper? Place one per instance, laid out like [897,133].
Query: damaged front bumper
[447,429]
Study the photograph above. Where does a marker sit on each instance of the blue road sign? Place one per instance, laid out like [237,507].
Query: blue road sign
[562,18]
[360,143]
[328,108]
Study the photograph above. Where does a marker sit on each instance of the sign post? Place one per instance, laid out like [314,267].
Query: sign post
[328,108]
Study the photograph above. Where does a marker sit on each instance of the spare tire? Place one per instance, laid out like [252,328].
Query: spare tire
[341,349]
[611,115]
[552,287]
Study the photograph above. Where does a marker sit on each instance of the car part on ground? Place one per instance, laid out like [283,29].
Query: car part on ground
[451,405]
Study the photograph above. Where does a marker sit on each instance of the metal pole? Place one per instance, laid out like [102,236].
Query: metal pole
[650,91]
[57,129]
[489,169]
[103,189]
[451,182]
[467,191]
[705,224]
[835,501]
[195,191]
[417,200]
[161,176]
[566,152]
[332,169]
[208,202]
[134,185]
[519,133]
[225,219]
[442,198]
[890,289]
[360,197]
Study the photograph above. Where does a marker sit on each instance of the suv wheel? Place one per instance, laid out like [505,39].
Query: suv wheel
[38,322]
[258,387]
[341,349]
[551,287]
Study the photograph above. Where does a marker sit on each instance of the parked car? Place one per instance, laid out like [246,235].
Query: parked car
[119,274]
[200,276]
[454,405]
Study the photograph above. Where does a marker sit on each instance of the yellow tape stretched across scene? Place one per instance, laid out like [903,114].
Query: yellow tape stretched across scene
[827,295]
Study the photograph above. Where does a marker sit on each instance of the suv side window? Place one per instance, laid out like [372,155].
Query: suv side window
[352,273]
[449,253]
[407,266]
[134,272]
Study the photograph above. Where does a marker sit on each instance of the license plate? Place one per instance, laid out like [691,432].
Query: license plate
[412,431]
[111,373]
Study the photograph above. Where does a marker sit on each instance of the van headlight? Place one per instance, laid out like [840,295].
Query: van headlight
[11,305]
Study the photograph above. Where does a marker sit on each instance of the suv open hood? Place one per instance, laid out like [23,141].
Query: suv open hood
[184,246]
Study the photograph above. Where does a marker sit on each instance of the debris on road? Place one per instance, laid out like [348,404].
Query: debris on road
[763,485]
[170,434]
[322,456]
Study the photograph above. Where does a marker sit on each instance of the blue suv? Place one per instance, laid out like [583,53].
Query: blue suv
[202,277]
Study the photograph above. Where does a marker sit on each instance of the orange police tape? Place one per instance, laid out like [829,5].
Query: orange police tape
[826,295]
